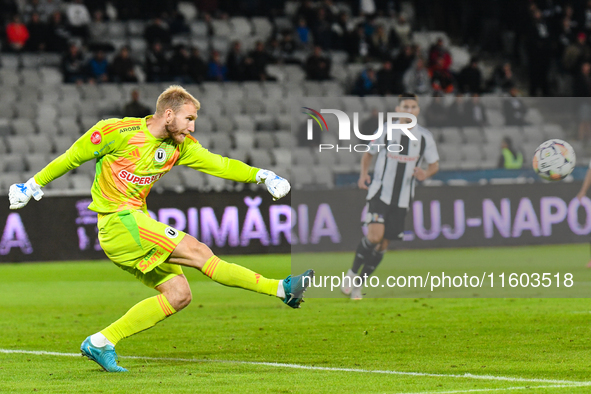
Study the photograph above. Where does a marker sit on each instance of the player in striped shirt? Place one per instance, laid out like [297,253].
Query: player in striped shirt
[391,191]
[131,155]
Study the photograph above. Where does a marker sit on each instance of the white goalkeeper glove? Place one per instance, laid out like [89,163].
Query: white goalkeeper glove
[20,193]
[277,186]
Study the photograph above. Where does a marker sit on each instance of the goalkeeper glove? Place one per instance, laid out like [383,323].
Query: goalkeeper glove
[20,193]
[277,186]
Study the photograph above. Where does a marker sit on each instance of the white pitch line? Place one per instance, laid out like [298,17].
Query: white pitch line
[504,389]
[314,368]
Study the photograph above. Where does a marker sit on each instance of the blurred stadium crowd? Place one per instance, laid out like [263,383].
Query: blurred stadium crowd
[66,64]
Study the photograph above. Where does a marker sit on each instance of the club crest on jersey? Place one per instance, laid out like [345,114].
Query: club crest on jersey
[96,138]
[160,155]
[171,232]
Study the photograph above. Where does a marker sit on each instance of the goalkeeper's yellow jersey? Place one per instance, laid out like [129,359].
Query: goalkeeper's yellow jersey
[129,160]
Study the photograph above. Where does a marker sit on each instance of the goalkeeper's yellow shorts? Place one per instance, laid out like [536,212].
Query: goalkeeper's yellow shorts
[140,245]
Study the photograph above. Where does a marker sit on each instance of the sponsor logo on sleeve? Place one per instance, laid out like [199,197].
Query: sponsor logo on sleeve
[96,138]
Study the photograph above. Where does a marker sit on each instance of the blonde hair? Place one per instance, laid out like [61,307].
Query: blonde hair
[174,97]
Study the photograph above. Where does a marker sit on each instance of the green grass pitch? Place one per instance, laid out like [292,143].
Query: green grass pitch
[223,340]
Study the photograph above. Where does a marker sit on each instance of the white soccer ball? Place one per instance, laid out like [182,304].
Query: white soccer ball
[554,160]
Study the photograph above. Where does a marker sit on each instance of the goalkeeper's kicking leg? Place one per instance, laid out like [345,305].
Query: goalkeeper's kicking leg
[176,295]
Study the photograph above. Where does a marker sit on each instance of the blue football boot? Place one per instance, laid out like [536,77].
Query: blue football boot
[104,356]
[295,287]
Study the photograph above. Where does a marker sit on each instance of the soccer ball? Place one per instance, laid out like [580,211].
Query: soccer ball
[554,160]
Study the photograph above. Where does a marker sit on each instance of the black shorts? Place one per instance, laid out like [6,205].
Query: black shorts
[391,216]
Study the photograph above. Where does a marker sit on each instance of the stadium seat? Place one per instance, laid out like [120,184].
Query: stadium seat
[450,154]
[9,96]
[193,180]
[262,27]
[473,135]
[50,94]
[327,159]
[303,156]
[89,108]
[265,122]
[23,126]
[91,92]
[9,77]
[198,29]
[46,112]
[260,158]
[221,142]
[301,176]
[81,182]
[71,94]
[241,26]
[223,124]
[87,168]
[62,143]
[172,181]
[284,139]
[264,140]
[14,163]
[313,89]
[61,183]
[323,176]
[40,143]
[244,140]
[18,144]
[494,135]
[46,128]
[203,124]
[244,122]
[5,130]
[220,44]
[534,134]
[554,131]
[216,184]
[187,10]
[30,77]
[283,23]
[135,28]
[253,106]
[282,157]
[10,61]
[69,126]
[221,28]
[8,179]
[472,156]
[451,135]
[273,90]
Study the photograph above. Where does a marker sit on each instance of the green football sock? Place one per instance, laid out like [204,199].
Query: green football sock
[237,276]
[140,317]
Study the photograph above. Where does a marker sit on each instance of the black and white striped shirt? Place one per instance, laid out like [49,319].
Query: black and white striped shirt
[393,174]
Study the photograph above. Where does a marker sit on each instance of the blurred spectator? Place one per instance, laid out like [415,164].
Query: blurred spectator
[177,24]
[123,67]
[380,44]
[235,62]
[436,113]
[538,54]
[98,29]
[197,67]
[78,18]
[260,60]
[514,110]
[57,40]
[288,47]
[98,68]
[566,35]
[157,31]
[216,70]
[30,8]
[475,112]
[470,78]
[134,108]
[582,88]
[510,158]
[318,66]
[340,31]
[387,80]
[576,54]
[402,29]
[156,64]
[502,78]
[439,57]
[303,33]
[307,13]
[273,49]
[416,79]
[441,78]
[457,115]
[179,65]
[322,30]
[73,64]
[365,84]
[16,34]
[49,7]
[405,58]
[37,33]
[358,45]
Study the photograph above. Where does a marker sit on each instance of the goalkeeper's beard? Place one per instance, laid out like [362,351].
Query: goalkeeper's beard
[175,133]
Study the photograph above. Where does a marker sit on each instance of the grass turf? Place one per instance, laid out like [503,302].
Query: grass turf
[53,307]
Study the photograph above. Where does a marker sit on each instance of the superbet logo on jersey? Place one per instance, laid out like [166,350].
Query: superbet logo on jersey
[345,129]
[96,138]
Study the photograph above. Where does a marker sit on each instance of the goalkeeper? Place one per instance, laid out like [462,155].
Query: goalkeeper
[131,154]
